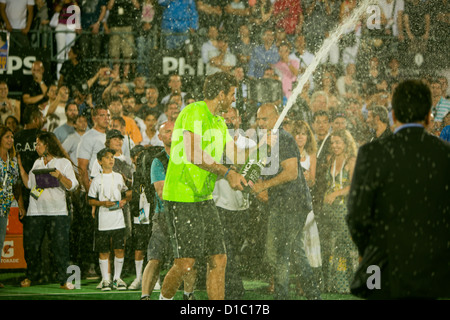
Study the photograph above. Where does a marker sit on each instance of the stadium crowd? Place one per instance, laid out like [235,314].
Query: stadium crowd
[116,102]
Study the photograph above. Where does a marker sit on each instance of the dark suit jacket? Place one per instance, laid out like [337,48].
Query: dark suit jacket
[399,204]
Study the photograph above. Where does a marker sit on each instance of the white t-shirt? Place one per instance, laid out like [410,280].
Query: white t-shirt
[16,11]
[228,61]
[108,187]
[91,143]
[224,196]
[52,201]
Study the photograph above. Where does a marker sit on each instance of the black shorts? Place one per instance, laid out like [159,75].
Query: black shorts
[194,228]
[141,236]
[105,241]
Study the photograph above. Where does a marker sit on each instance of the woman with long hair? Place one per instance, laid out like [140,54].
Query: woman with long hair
[9,176]
[307,146]
[339,253]
[52,176]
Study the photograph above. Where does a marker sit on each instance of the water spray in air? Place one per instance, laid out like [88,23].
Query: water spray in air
[322,52]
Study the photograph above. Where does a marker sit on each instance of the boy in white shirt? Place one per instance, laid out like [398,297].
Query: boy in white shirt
[109,194]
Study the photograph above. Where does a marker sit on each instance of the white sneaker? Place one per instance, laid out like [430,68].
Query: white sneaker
[157,285]
[106,285]
[119,284]
[135,285]
[99,286]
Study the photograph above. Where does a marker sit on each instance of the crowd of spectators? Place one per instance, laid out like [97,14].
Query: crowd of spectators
[346,103]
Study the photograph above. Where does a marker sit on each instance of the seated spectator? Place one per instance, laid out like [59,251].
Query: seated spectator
[67,128]
[347,85]
[174,84]
[440,106]
[319,102]
[55,113]
[339,121]
[243,47]
[118,123]
[327,84]
[13,123]
[150,135]
[356,122]
[115,108]
[304,57]
[34,92]
[286,68]
[171,112]
[288,16]
[98,83]
[263,55]
[179,19]
[150,102]
[210,44]
[139,89]
[280,37]
[129,110]
[445,133]
[260,16]
[378,122]
[210,12]
[220,59]
[393,73]
[236,13]
[72,141]
[8,106]
[373,83]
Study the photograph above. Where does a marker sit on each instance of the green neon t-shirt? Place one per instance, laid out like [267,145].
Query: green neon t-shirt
[185,181]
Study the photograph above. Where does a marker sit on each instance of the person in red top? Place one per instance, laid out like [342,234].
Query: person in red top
[288,15]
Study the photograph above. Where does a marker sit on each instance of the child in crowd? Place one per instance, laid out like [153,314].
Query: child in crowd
[109,194]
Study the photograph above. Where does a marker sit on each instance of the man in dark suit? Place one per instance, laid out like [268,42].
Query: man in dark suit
[399,206]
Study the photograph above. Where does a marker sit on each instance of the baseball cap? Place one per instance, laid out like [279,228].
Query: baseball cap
[113,133]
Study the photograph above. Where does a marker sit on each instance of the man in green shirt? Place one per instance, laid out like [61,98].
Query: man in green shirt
[199,139]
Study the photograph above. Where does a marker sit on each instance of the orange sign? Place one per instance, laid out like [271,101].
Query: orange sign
[14,225]
[12,253]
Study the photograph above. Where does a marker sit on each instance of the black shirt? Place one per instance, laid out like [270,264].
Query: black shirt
[25,143]
[292,196]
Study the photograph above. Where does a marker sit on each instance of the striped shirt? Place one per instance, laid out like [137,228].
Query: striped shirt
[441,109]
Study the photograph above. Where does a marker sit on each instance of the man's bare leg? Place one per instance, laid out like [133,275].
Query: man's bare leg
[150,276]
[176,274]
[215,277]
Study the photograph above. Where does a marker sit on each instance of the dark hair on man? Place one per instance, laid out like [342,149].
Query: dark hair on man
[97,108]
[381,112]
[31,113]
[69,103]
[153,113]
[321,113]
[411,101]
[217,82]
[121,121]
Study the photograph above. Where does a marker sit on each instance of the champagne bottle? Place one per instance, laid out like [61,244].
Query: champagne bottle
[253,168]
[252,172]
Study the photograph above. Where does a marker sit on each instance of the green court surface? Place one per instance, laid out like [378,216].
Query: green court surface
[254,290]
